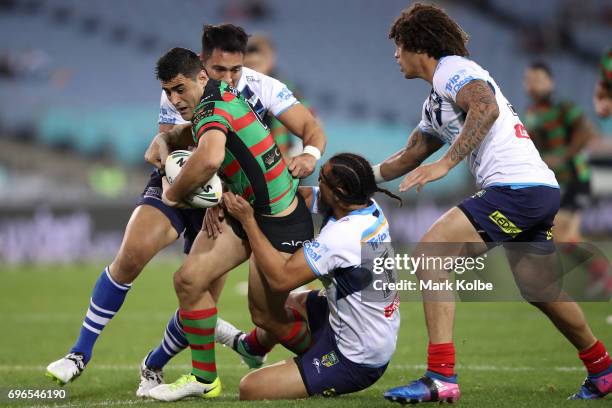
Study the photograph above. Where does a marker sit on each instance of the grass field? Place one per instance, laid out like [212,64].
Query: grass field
[509,355]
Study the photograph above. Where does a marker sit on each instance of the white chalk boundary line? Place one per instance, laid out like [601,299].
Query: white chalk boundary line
[135,368]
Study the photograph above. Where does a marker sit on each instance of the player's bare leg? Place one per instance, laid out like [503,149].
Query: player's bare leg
[277,381]
[208,260]
[537,277]
[567,226]
[148,232]
[281,380]
[271,311]
[440,382]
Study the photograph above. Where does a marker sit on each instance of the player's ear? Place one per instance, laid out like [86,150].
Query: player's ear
[202,77]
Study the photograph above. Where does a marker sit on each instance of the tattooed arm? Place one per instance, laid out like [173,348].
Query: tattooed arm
[419,147]
[478,100]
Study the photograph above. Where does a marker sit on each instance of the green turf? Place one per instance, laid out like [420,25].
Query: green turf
[509,355]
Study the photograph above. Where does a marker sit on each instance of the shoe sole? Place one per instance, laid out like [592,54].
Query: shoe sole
[405,401]
[55,379]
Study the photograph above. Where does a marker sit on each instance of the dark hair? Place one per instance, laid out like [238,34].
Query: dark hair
[226,37]
[351,178]
[541,65]
[257,42]
[178,61]
[423,28]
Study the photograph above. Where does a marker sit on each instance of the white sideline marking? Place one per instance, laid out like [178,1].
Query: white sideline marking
[135,367]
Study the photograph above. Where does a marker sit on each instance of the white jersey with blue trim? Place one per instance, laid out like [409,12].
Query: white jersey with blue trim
[264,93]
[506,156]
[365,331]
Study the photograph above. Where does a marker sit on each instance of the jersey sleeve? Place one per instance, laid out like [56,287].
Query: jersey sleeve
[168,115]
[333,249]
[210,115]
[452,74]
[276,96]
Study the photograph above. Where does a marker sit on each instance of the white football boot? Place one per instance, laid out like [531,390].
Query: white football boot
[149,379]
[66,369]
[186,386]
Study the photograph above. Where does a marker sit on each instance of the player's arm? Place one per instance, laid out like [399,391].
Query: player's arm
[419,147]
[201,166]
[282,274]
[478,101]
[302,123]
[169,138]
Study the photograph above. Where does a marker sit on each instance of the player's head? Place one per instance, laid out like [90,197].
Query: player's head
[425,31]
[223,49]
[182,78]
[347,180]
[260,54]
[538,81]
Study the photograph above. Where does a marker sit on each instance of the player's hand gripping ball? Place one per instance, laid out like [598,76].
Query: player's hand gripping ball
[208,195]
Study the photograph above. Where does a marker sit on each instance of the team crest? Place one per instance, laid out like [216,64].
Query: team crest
[329,359]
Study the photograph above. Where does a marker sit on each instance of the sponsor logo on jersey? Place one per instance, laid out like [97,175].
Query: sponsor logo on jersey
[457,81]
[251,78]
[549,235]
[329,359]
[271,157]
[205,112]
[480,194]
[505,224]
[284,94]
[293,243]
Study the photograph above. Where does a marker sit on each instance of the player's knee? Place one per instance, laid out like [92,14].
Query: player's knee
[248,387]
[260,318]
[189,279]
[127,266]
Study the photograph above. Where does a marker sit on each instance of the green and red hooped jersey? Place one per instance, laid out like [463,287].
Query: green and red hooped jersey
[551,124]
[253,166]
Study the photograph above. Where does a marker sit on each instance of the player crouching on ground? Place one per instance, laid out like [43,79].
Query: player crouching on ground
[353,339]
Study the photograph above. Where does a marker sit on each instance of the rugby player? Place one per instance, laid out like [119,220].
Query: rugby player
[561,132]
[154,225]
[518,200]
[353,338]
[230,139]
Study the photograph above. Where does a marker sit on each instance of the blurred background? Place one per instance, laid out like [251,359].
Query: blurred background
[79,101]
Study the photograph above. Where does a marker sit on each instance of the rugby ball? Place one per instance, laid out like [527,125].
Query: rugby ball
[206,196]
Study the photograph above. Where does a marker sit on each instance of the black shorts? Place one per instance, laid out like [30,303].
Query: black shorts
[576,195]
[324,369]
[286,234]
[185,221]
[506,214]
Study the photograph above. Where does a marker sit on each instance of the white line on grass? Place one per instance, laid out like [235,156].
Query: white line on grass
[134,367]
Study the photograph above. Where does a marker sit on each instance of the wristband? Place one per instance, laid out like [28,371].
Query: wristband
[377,174]
[313,151]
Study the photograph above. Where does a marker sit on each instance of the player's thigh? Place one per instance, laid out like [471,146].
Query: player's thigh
[454,226]
[211,258]
[567,226]
[148,231]
[262,299]
[537,273]
[278,381]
